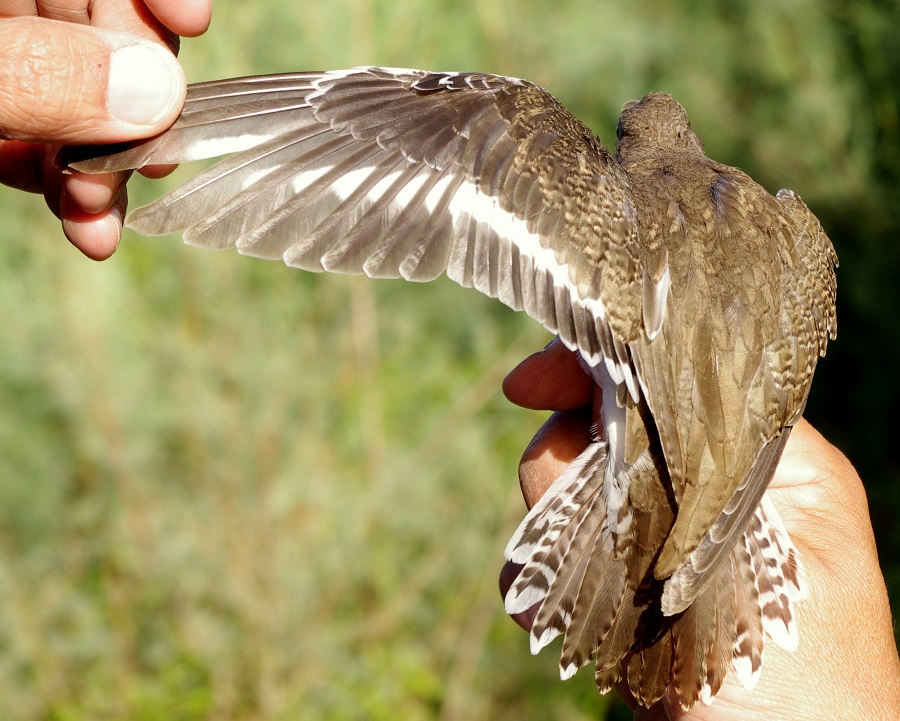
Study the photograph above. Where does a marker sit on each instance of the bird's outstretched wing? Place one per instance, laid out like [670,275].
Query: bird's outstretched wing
[406,173]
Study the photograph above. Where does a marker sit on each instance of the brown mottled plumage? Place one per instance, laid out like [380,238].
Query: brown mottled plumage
[699,303]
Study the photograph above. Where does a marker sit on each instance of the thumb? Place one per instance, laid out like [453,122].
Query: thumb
[64,83]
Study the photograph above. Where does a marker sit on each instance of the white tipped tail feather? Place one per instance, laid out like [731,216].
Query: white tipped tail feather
[595,588]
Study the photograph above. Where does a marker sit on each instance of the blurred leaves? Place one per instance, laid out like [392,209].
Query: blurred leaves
[234,491]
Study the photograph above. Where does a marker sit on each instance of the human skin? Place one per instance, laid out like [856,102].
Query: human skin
[62,81]
[846,666]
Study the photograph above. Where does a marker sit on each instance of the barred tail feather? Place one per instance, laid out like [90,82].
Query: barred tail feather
[589,564]
[544,537]
[570,566]
[558,505]
[598,599]
[750,640]
[780,580]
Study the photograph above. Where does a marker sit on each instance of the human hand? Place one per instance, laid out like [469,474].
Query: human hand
[82,71]
[846,665]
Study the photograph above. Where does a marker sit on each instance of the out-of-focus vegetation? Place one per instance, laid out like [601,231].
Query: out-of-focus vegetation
[229,490]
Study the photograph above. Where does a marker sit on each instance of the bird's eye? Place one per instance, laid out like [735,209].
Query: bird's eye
[620,133]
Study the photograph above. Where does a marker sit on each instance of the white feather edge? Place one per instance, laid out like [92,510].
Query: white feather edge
[743,669]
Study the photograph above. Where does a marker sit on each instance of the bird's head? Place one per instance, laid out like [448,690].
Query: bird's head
[655,123]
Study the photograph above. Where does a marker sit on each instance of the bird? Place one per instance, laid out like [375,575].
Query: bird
[698,302]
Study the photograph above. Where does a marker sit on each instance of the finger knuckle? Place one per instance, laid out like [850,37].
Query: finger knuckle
[39,86]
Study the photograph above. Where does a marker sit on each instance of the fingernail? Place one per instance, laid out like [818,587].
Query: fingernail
[118,216]
[144,83]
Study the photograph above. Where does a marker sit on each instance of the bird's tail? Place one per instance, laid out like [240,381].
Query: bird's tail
[587,555]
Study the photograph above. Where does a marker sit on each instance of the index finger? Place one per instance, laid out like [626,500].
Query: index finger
[564,435]
[183,17]
[551,379]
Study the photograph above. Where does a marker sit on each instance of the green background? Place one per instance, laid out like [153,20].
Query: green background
[229,490]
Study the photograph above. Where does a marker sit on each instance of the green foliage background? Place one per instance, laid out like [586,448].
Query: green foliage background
[233,491]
